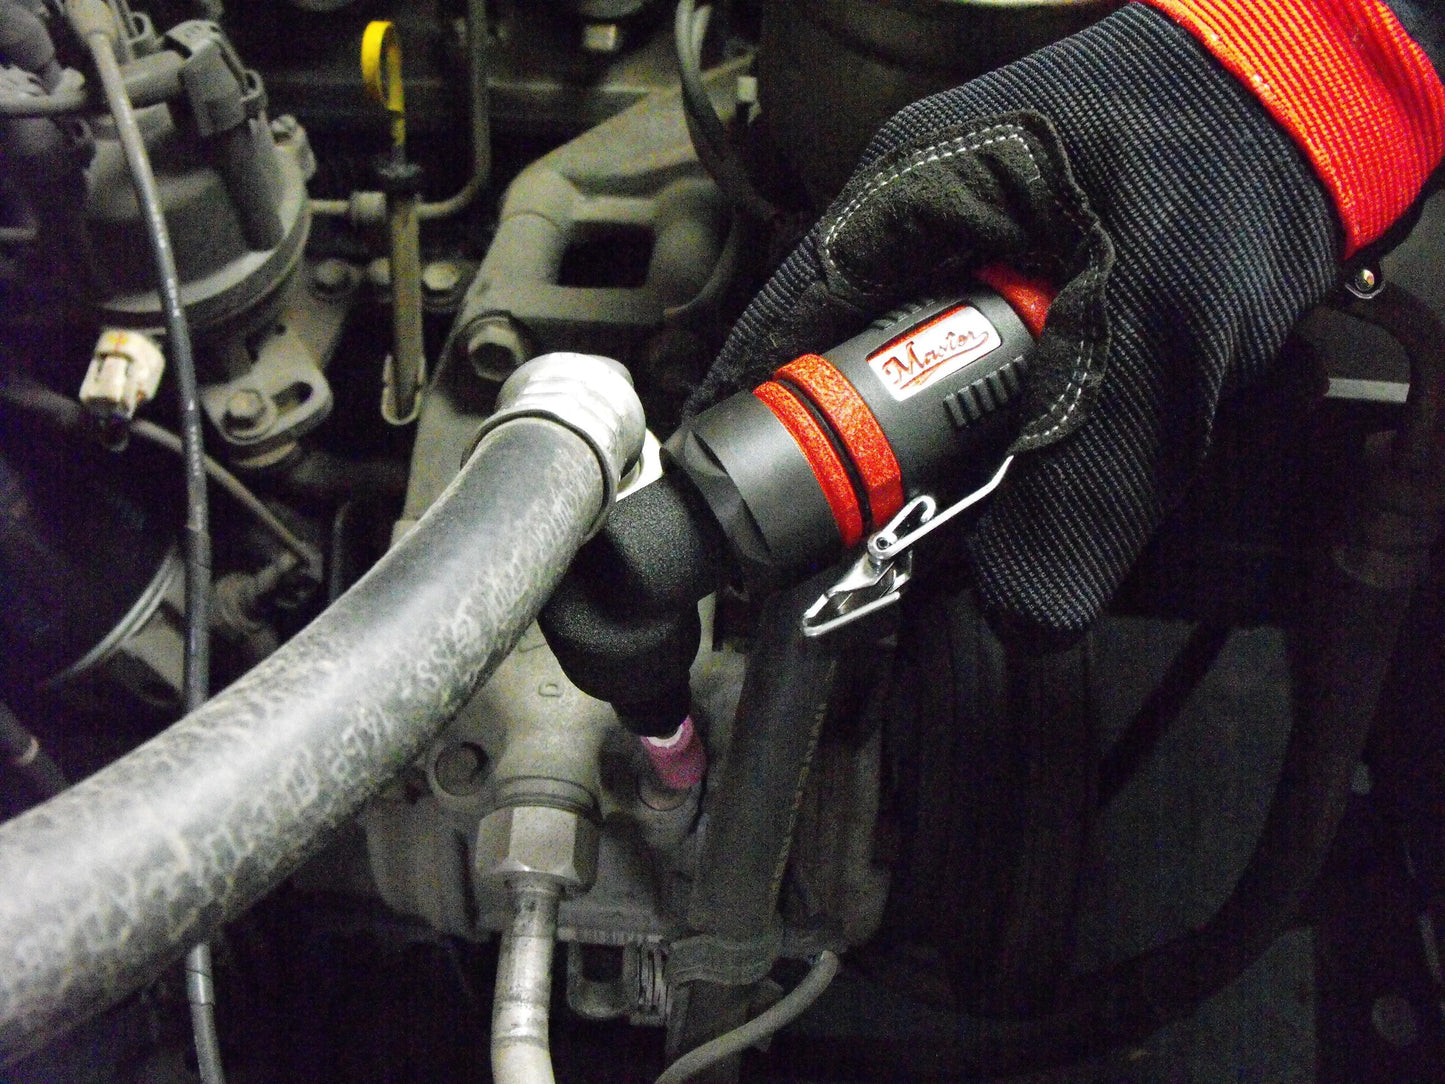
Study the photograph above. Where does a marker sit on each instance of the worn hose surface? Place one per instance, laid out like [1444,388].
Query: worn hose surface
[109,883]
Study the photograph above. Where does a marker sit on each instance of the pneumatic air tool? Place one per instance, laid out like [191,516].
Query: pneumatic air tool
[865,447]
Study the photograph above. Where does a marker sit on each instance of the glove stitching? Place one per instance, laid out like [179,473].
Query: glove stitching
[1077,377]
[926,156]
[940,152]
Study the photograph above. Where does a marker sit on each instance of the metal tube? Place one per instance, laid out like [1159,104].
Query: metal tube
[481,124]
[520,1051]
[408,357]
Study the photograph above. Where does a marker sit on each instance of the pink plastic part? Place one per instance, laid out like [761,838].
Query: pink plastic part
[680,761]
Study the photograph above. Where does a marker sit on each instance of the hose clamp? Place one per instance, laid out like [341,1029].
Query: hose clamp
[590,395]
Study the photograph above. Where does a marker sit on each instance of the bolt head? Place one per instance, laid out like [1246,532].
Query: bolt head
[440,279]
[461,769]
[331,277]
[245,410]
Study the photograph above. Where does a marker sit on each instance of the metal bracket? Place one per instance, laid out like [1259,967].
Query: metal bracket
[877,578]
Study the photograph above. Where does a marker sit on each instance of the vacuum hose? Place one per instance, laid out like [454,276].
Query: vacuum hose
[109,883]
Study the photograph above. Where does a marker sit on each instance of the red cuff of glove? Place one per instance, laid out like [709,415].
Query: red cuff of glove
[1356,93]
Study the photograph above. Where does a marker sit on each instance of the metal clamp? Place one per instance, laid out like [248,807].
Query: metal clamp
[877,578]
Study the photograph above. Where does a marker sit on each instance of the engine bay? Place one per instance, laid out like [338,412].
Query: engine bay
[1202,843]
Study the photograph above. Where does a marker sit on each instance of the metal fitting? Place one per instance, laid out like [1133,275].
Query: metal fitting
[602,38]
[590,395]
[1366,283]
[559,845]
[246,411]
[496,347]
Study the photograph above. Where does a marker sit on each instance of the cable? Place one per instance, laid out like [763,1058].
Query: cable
[709,137]
[59,104]
[66,414]
[22,751]
[760,1027]
[100,35]
[1160,709]
[164,438]
[197,547]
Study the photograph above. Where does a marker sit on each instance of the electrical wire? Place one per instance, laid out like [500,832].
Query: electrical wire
[178,336]
[61,103]
[100,40]
[709,137]
[307,554]
[760,1027]
[67,414]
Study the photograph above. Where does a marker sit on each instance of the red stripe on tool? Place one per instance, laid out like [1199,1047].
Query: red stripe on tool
[827,467]
[1030,298]
[863,438]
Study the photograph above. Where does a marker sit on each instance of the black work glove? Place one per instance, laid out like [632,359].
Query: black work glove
[1185,229]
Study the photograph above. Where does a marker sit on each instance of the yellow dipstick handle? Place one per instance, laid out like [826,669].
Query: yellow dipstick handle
[381,71]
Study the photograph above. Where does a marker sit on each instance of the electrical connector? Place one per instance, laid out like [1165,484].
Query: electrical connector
[124,372]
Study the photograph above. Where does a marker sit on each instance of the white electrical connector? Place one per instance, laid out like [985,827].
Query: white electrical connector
[124,372]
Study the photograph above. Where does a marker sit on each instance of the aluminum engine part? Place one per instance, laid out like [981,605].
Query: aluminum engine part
[633,183]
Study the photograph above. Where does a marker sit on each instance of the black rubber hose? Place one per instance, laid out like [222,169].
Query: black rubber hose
[1160,709]
[709,137]
[752,809]
[109,883]
[22,752]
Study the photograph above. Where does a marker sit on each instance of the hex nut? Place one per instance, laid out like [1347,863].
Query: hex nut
[558,844]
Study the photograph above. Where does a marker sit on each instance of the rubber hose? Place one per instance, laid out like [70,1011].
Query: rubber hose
[110,882]
[22,751]
[752,808]
[709,137]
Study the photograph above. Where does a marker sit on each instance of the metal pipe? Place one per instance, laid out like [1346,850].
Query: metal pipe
[109,883]
[408,360]
[364,207]
[520,1051]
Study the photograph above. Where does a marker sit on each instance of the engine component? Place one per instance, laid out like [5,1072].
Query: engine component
[401,184]
[831,71]
[339,704]
[601,243]
[124,373]
[91,582]
[233,189]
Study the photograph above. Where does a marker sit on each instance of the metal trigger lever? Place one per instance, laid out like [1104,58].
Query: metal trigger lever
[877,578]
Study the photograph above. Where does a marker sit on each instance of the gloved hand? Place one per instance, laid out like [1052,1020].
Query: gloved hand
[1190,207]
